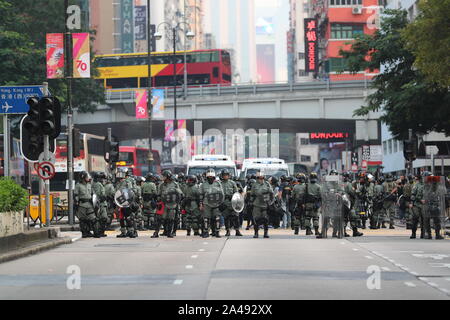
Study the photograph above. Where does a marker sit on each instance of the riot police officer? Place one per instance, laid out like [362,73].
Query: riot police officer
[102,205]
[191,204]
[212,197]
[261,197]
[110,191]
[149,196]
[231,217]
[139,217]
[311,193]
[127,214]
[298,214]
[170,193]
[85,207]
[390,191]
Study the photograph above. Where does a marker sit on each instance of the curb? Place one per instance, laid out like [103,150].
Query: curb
[20,253]
[76,227]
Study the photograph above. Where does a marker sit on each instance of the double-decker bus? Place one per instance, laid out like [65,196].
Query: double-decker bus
[118,71]
[136,160]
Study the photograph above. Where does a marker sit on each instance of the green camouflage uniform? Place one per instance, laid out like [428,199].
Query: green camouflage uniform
[298,214]
[110,192]
[191,205]
[170,209]
[211,212]
[311,193]
[128,223]
[407,193]
[85,209]
[417,195]
[230,216]
[378,205]
[102,214]
[149,194]
[139,217]
[389,203]
[260,205]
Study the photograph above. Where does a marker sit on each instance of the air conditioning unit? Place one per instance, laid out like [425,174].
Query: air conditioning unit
[357,10]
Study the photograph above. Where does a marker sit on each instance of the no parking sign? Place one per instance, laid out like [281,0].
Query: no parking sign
[46,170]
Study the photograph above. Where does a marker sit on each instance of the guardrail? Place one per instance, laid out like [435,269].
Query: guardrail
[117,95]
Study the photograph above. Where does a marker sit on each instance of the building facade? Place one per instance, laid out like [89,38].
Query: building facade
[339,21]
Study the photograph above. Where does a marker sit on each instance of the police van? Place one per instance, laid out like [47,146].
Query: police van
[201,163]
[268,166]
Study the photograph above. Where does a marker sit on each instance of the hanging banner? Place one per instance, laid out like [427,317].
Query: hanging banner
[55,55]
[141,104]
[182,129]
[169,130]
[81,55]
[127,25]
[311,46]
[158,104]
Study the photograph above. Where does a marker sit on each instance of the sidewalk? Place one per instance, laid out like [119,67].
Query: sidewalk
[30,242]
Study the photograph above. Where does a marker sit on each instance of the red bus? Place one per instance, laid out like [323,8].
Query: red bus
[130,70]
[136,159]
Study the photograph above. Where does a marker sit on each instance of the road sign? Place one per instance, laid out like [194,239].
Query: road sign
[46,170]
[13,100]
[432,150]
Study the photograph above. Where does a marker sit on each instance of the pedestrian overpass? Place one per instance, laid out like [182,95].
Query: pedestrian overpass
[319,106]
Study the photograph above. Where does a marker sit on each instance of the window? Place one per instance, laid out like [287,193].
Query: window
[141,156]
[385,147]
[390,146]
[301,56]
[345,31]
[305,158]
[395,142]
[345,2]
[337,64]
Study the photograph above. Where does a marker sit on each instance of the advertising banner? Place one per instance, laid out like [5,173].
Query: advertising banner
[158,104]
[81,55]
[141,104]
[311,45]
[55,55]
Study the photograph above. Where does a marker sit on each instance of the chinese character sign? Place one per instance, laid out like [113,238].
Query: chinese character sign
[81,55]
[311,45]
[141,104]
[55,55]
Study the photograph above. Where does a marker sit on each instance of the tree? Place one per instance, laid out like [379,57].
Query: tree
[428,37]
[406,98]
[23,30]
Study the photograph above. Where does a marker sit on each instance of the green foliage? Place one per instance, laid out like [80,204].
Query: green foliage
[12,197]
[23,30]
[428,37]
[406,99]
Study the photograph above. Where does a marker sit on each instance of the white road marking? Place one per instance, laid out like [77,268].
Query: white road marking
[369,257]
[343,243]
[444,290]
[205,243]
[354,249]
[448,279]
[414,273]
[201,250]
[410,284]
[385,269]
[189,267]
[76,239]
[432,284]
[410,251]
[194,257]
[178,282]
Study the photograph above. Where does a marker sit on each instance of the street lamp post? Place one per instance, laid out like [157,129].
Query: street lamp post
[189,35]
[149,86]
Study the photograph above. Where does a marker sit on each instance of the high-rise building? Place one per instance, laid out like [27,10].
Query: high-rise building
[296,41]
[338,22]
[230,24]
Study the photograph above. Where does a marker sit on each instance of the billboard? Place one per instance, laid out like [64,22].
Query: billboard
[55,55]
[127,26]
[81,55]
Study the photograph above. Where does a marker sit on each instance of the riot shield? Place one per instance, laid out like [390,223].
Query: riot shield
[434,208]
[268,198]
[95,202]
[238,202]
[124,198]
[332,214]
[215,198]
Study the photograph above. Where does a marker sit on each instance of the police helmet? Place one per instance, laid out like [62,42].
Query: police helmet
[313,177]
[224,173]
[140,179]
[191,180]
[149,177]
[301,177]
[167,174]
[210,173]
[85,176]
[334,172]
[259,175]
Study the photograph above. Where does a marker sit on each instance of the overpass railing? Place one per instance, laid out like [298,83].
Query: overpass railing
[121,95]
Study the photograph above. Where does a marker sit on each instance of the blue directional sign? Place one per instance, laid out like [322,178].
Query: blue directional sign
[13,100]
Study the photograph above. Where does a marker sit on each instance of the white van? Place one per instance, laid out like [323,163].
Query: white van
[268,166]
[201,163]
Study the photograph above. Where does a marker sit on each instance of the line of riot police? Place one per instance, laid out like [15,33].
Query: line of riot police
[202,204]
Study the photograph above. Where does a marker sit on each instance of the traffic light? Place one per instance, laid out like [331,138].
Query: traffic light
[111,151]
[410,149]
[43,118]
[50,117]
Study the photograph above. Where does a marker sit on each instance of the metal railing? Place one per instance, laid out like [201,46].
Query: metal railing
[119,95]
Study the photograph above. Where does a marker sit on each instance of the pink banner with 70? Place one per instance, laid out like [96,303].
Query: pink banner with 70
[81,55]
[141,104]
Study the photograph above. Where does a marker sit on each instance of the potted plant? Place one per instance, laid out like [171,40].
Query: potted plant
[13,201]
